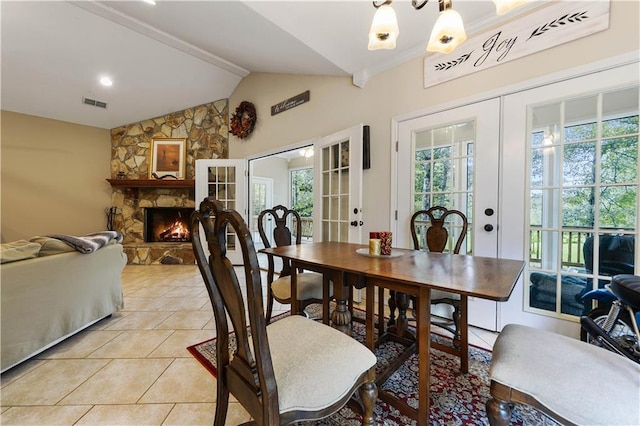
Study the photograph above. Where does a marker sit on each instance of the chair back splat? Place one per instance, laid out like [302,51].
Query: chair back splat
[281,232]
[270,370]
[428,229]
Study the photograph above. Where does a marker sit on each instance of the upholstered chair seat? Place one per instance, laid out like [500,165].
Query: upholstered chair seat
[309,287]
[570,380]
[306,385]
[439,294]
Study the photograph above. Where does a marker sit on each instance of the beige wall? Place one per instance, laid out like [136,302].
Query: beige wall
[336,104]
[53,177]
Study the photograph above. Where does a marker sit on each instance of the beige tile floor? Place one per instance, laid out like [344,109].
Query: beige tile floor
[132,368]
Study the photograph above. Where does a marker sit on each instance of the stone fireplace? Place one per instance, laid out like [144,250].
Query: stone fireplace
[134,195]
[133,204]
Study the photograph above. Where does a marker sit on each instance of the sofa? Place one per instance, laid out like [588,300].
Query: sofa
[51,290]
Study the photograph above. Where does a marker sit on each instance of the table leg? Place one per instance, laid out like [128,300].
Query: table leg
[341,317]
[464,335]
[423,329]
[369,322]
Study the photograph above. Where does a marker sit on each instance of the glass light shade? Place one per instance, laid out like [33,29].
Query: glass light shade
[448,32]
[384,29]
[505,6]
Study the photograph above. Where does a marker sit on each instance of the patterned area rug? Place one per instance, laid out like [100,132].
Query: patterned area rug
[456,398]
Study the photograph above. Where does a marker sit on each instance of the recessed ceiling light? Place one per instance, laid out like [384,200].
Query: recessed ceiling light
[153,2]
[106,81]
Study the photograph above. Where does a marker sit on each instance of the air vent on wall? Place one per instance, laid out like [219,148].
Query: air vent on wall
[94,103]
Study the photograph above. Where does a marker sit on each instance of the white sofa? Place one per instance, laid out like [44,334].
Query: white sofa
[49,291]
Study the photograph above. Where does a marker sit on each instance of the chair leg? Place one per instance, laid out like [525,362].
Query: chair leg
[457,320]
[368,394]
[498,412]
[269,305]
[222,404]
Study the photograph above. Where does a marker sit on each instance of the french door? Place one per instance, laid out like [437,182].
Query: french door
[571,178]
[337,212]
[451,159]
[225,180]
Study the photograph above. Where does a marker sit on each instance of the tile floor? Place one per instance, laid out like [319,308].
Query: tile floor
[132,368]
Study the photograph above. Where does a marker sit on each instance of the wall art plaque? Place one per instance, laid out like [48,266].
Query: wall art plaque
[290,103]
[558,23]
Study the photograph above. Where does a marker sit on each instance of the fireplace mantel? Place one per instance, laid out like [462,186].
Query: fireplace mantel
[152,183]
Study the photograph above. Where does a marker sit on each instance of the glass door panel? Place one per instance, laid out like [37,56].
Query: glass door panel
[223,180]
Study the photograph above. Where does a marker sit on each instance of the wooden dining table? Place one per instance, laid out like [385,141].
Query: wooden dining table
[408,272]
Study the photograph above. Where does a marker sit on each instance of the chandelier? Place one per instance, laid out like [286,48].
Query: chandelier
[448,31]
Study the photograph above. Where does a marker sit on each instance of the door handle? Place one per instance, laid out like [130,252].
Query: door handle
[355,223]
[488,227]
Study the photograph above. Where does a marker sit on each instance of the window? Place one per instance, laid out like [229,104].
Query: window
[443,172]
[302,198]
[583,197]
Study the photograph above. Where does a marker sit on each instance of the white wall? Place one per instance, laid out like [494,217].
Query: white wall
[277,169]
[336,104]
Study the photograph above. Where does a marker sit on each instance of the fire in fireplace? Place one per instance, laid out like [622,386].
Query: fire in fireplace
[167,224]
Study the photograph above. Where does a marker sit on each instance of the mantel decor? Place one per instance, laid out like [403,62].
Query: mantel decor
[168,158]
[243,120]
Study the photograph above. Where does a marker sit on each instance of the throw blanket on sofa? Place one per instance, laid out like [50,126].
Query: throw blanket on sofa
[89,243]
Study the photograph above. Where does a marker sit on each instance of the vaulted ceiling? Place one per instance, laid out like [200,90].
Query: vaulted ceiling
[178,54]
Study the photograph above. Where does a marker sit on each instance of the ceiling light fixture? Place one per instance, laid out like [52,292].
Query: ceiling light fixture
[306,152]
[151,2]
[384,28]
[505,6]
[448,31]
[106,81]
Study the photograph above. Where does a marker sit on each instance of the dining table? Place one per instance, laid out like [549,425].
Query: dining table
[409,273]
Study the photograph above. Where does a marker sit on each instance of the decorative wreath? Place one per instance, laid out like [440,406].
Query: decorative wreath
[243,120]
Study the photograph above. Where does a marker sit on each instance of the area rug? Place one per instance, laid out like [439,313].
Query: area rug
[455,398]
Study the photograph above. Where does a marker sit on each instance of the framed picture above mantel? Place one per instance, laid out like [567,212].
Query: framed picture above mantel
[167,158]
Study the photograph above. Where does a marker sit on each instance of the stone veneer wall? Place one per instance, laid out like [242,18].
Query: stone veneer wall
[206,130]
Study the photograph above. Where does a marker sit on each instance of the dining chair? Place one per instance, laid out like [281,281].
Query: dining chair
[310,286]
[429,232]
[291,370]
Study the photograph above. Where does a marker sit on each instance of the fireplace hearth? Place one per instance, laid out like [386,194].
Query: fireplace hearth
[167,224]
